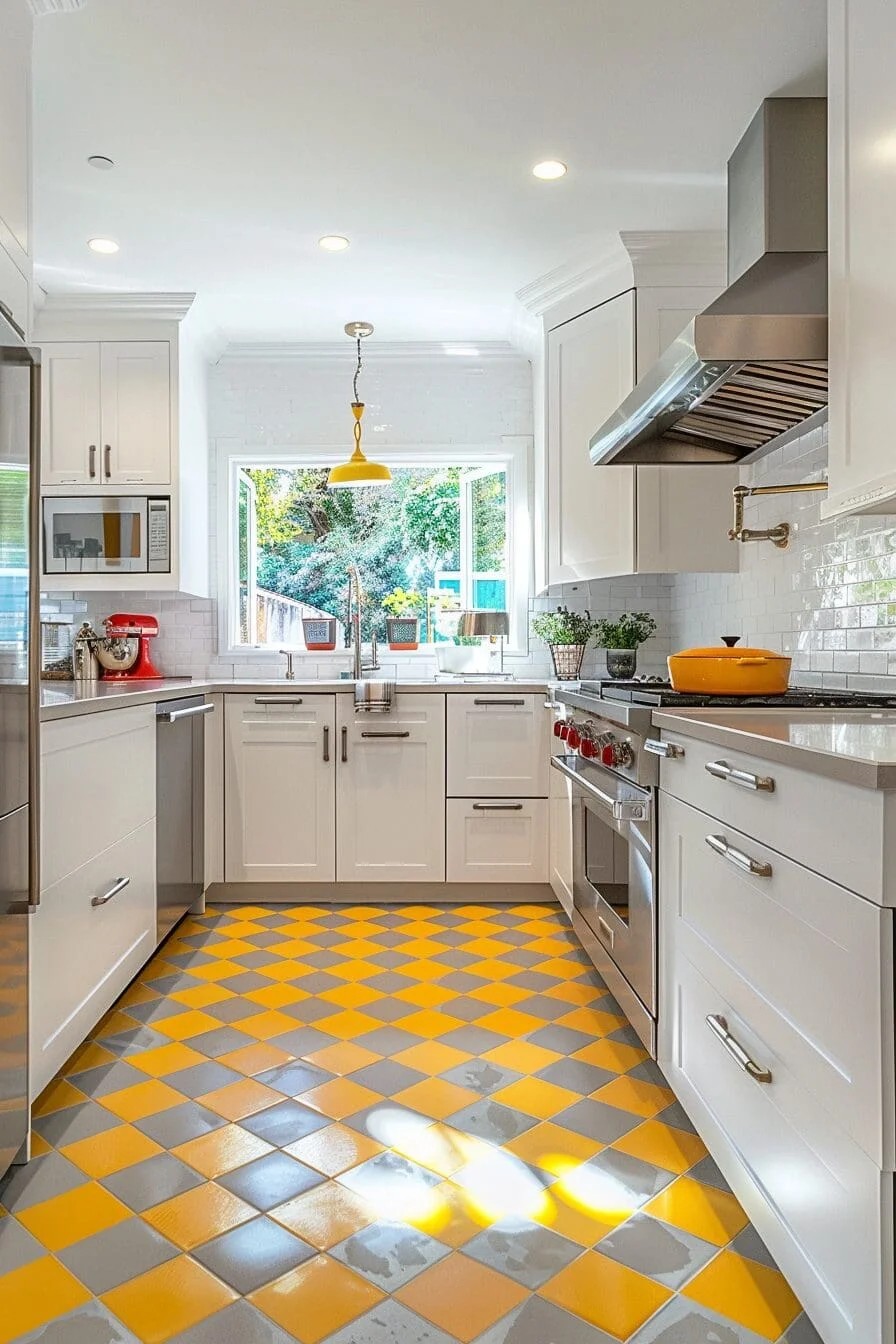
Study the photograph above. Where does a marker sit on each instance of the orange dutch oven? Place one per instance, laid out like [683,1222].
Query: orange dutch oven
[729,671]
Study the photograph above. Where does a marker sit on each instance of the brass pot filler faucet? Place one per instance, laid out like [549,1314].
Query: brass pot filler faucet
[780,533]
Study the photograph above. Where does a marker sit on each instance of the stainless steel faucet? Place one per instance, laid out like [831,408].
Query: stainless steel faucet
[290,670]
[355,603]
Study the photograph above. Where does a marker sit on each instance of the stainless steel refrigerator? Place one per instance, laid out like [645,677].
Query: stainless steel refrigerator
[19,692]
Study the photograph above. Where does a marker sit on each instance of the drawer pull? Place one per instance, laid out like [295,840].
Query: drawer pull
[669,750]
[344,736]
[722,770]
[326,743]
[118,885]
[278,700]
[503,703]
[719,1028]
[372,733]
[497,807]
[738,857]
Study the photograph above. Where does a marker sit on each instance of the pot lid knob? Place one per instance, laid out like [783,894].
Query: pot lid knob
[730,640]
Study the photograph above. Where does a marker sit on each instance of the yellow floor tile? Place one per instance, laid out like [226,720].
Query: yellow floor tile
[294,948]
[522,1056]
[199,1215]
[573,1221]
[439,1148]
[56,1096]
[461,1296]
[635,1096]
[217,970]
[89,1055]
[592,1021]
[553,1148]
[325,1216]
[339,1097]
[274,996]
[562,968]
[227,948]
[252,1059]
[536,1097]
[500,995]
[432,1057]
[363,970]
[65,1219]
[431,1022]
[35,1294]
[510,1022]
[753,1294]
[351,995]
[114,1022]
[203,996]
[664,1146]
[347,1025]
[141,1100]
[575,992]
[222,1150]
[426,995]
[344,1057]
[610,1296]
[436,1097]
[316,1299]
[425,971]
[483,948]
[334,1150]
[168,1300]
[421,948]
[165,1059]
[244,928]
[359,947]
[280,971]
[712,1214]
[237,1100]
[39,1145]
[611,1055]
[138,993]
[494,970]
[450,1217]
[267,1024]
[111,1151]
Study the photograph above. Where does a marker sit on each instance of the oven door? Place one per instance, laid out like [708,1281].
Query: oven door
[96,535]
[614,829]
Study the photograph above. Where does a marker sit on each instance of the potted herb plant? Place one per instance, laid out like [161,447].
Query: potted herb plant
[567,635]
[620,639]
[403,622]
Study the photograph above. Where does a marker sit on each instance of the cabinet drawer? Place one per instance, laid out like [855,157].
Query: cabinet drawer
[793,817]
[497,841]
[83,955]
[498,745]
[98,783]
[808,964]
[819,1202]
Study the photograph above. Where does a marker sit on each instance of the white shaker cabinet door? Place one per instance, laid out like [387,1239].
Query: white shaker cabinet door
[498,745]
[391,791]
[136,412]
[591,510]
[70,413]
[279,788]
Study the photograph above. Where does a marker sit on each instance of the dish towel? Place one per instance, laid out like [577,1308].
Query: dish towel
[374,697]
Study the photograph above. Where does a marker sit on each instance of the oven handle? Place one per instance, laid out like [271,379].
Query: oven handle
[620,809]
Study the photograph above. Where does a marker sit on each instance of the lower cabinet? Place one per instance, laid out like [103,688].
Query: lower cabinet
[497,840]
[280,788]
[560,847]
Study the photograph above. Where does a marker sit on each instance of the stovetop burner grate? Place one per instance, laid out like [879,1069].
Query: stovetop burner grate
[659,694]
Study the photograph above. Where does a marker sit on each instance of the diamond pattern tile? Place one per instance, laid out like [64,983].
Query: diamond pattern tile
[375,1125]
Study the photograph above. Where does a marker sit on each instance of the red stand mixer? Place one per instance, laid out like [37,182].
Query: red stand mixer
[129,625]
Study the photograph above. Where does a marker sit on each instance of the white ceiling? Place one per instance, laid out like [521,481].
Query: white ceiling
[242,130]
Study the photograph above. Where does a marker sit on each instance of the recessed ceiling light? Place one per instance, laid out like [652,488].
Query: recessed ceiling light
[104,245]
[100,161]
[333,242]
[549,170]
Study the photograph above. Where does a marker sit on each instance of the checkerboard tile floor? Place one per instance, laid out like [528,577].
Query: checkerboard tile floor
[375,1125]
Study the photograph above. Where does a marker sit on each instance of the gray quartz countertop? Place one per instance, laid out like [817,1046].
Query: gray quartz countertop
[855,746]
[63,699]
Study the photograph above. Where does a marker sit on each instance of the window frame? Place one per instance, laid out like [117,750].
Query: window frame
[514,453]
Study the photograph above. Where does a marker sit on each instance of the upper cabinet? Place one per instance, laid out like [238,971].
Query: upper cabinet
[15,160]
[605,521]
[861,257]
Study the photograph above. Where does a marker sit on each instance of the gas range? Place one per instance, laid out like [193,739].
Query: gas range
[657,693]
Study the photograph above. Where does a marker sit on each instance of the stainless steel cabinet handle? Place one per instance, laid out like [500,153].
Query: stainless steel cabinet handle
[669,750]
[719,1028]
[118,885]
[738,857]
[326,742]
[91,457]
[107,457]
[722,770]
[173,715]
[344,744]
[497,807]
[278,700]
[386,734]
[504,701]
[607,935]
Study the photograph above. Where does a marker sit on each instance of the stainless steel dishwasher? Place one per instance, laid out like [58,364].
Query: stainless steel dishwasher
[180,808]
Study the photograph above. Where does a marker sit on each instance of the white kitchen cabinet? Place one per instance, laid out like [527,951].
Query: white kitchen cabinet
[390,791]
[106,413]
[497,840]
[861,258]
[280,788]
[15,159]
[498,745]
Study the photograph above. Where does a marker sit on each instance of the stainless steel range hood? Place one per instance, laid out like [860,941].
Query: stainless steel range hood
[750,372]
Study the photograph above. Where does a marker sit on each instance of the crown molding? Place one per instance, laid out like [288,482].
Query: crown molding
[462,353]
[173,306]
[41,7]
[567,279]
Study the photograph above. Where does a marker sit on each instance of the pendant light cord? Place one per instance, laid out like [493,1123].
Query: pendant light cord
[357,370]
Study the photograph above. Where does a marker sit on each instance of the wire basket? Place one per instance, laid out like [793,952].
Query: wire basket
[567,660]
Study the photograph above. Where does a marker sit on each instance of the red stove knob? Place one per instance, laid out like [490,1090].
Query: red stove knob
[617,753]
[589,748]
[573,737]
[560,728]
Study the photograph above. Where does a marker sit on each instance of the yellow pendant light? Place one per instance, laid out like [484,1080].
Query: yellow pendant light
[358,470]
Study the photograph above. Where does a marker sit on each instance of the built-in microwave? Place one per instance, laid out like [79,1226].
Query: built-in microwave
[107,534]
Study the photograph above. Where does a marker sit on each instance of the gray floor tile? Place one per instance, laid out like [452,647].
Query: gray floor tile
[295,1078]
[480,1075]
[387,1040]
[750,1244]
[187,959]
[234,1011]
[108,1258]
[597,1120]
[390,1323]
[317,983]
[474,1040]
[664,1253]
[240,1323]
[105,1079]
[322,960]
[562,1039]
[647,1071]
[42,1178]
[17,1246]
[311,1010]
[285,1123]
[246,981]
[275,920]
[537,981]
[467,1008]
[257,960]
[456,958]
[636,1181]
[540,1322]
[124,1043]
[74,1123]
[164,984]
[387,1077]
[151,1182]
[303,1041]
[90,1324]
[681,1321]
[254,1254]
[392,1010]
[271,1180]
[524,1251]
[328,938]
[270,939]
[388,1121]
[577,1076]
[220,1041]
[491,1121]
[676,1116]
[802,1332]
[201,1078]
[390,960]
[180,1123]
[707,1172]
[541,1006]
[521,956]
[387,982]
[387,1179]
[156,1010]
[390,1254]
